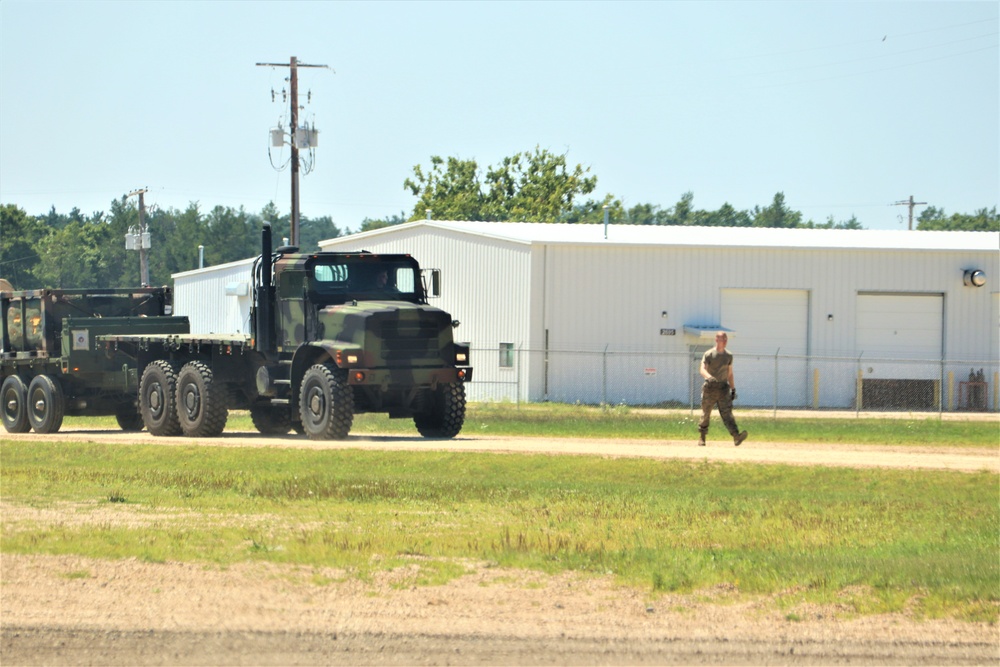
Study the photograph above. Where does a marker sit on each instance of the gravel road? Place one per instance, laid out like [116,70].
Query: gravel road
[68,610]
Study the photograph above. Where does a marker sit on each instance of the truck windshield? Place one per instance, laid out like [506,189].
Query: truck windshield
[366,280]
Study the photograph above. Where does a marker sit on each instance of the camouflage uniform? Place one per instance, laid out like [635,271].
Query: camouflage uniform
[716,391]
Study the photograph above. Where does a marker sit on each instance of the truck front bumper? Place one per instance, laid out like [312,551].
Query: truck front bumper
[387,378]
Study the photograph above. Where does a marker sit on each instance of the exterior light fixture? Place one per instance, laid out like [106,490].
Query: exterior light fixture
[974,278]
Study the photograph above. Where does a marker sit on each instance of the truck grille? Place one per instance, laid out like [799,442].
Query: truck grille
[410,341]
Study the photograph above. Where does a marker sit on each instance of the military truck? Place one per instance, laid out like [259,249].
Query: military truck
[332,335]
[51,364]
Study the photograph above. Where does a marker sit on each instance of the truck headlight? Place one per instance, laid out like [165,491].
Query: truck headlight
[461,354]
[348,358]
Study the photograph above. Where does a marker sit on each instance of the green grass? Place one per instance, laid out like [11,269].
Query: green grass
[619,422]
[873,540]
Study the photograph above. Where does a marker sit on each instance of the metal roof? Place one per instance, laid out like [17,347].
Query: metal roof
[736,237]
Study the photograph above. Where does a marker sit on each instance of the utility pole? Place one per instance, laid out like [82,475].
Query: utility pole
[293,66]
[909,202]
[140,240]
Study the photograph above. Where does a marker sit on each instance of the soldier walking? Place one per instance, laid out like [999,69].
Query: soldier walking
[719,389]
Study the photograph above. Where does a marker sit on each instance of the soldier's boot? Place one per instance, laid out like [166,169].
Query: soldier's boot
[739,438]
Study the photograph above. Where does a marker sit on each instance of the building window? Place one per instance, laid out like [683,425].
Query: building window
[506,355]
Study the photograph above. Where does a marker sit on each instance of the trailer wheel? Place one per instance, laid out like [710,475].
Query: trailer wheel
[156,398]
[14,394]
[128,417]
[201,402]
[46,405]
[326,403]
[441,413]
[270,420]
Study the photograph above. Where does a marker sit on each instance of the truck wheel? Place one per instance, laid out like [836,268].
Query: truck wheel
[128,418]
[13,394]
[201,402]
[156,399]
[45,404]
[442,412]
[270,420]
[326,403]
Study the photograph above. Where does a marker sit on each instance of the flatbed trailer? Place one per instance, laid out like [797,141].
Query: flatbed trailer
[52,363]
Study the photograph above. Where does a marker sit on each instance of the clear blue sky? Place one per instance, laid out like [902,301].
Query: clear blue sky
[846,107]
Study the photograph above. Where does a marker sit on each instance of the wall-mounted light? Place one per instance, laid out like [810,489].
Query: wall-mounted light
[829,318]
[974,278]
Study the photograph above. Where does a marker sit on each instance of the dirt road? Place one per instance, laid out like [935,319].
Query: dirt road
[68,610]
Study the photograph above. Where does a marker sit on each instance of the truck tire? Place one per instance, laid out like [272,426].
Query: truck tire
[128,417]
[14,396]
[201,402]
[157,399]
[442,412]
[326,403]
[270,420]
[46,405]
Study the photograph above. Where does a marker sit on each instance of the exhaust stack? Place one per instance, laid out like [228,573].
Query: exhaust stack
[265,294]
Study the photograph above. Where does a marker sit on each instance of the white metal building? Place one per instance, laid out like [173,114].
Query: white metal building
[583,313]
[216,299]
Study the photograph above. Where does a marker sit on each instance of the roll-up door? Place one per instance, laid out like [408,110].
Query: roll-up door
[900,326]
[771,341]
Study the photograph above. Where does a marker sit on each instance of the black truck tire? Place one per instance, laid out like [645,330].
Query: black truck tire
[128,417]
[326,403]
[442,412]
[271,420]
[46,404]
[14,397]
[201,402]
[157,405]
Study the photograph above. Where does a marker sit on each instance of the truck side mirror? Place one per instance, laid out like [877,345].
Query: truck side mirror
[432,286]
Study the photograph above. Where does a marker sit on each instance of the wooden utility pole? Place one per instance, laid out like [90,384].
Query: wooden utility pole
[909,202]
[293,66]
[141,245]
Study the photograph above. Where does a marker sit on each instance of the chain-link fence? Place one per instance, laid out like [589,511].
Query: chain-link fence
[764,381]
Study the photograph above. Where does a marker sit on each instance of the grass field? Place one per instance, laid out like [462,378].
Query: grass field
[869,540]
[576,421]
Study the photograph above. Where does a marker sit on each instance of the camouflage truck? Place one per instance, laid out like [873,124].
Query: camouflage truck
[51,364]
[332,335]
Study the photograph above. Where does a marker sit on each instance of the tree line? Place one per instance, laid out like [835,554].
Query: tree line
[77,250]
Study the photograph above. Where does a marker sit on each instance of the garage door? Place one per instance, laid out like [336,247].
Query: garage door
[900,326]
[769,322]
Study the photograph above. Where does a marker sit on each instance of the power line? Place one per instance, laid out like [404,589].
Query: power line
[909,202]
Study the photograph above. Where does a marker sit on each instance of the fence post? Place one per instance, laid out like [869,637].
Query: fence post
[951,390]
[517,377]
[996,385]
[859,390]
[815,389]
[776,382]
[604,377]
[690,371]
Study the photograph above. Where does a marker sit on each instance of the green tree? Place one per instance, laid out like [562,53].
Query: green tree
[534,187]
[850,223]
[591,212]
[451,189]
[777,214]
[983,220]
[369,224]
[20,236]
[530,186]
[72,257]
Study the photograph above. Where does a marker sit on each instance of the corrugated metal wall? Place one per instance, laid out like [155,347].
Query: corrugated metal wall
[201,295]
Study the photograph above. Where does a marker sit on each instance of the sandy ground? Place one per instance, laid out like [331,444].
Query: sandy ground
[66,610]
